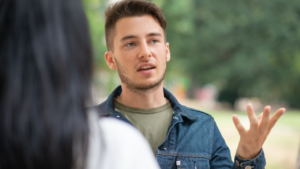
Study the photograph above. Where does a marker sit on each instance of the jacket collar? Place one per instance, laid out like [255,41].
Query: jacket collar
[107,107]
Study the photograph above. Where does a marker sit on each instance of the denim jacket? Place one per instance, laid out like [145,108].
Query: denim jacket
[193,139]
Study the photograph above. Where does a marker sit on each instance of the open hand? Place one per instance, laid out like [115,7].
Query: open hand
[252,140]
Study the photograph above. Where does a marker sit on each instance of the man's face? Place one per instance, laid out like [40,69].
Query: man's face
[140,52]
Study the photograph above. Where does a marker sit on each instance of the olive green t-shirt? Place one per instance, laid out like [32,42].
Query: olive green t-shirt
[152,123]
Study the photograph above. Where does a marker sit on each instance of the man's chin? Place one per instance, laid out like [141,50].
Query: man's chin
[145,86]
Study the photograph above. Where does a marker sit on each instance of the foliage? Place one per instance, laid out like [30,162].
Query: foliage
[95,13]
[245,48]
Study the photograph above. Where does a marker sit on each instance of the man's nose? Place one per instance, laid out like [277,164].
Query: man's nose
[144,51]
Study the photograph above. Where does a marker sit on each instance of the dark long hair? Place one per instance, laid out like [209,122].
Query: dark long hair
[45,75]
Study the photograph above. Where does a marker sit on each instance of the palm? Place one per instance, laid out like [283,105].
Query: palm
[252,140]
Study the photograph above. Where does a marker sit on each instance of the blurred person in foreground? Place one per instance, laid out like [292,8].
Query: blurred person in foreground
[45,76]
[180,137]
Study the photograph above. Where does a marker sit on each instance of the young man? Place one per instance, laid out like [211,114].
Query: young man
[180,137]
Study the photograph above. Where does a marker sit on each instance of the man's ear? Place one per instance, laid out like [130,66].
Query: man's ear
[168,53]
[109,57]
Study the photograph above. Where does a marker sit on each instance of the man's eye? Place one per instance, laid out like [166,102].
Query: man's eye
[154,41]
[130,44]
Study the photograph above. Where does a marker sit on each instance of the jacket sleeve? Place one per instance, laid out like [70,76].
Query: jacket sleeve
[221,158]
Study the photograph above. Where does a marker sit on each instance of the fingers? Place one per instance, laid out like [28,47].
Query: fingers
[252,117]
[259,117]
[265,119]
[275,117]
[240,128]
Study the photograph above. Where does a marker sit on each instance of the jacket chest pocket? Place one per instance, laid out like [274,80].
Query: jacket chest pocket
[191,163]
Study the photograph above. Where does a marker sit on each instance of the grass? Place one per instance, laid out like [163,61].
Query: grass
[282,145]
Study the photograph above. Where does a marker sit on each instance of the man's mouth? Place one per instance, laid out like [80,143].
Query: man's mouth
[146,68]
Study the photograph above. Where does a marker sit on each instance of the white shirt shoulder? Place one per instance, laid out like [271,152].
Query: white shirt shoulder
[114,144]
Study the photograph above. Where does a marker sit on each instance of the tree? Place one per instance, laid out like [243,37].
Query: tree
[245,48]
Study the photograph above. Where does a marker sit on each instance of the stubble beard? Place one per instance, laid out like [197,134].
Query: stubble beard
[138,87]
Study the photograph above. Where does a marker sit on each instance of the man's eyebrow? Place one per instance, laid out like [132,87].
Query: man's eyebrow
[128,37]
[133,36]
[154,34]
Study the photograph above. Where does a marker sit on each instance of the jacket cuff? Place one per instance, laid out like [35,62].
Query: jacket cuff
[256,163]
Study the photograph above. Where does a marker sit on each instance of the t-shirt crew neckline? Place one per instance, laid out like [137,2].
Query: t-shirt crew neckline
[162,108]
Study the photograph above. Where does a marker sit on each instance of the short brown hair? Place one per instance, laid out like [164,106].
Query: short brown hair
[129,8]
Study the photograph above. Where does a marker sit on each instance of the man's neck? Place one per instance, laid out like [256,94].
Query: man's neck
[142,99]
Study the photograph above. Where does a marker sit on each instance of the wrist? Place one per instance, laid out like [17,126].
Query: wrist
[245,152]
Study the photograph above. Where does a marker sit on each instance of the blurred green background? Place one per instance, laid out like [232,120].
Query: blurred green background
[225,54]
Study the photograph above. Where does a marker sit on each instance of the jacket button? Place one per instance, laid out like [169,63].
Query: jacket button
[118,116]
[237,163]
